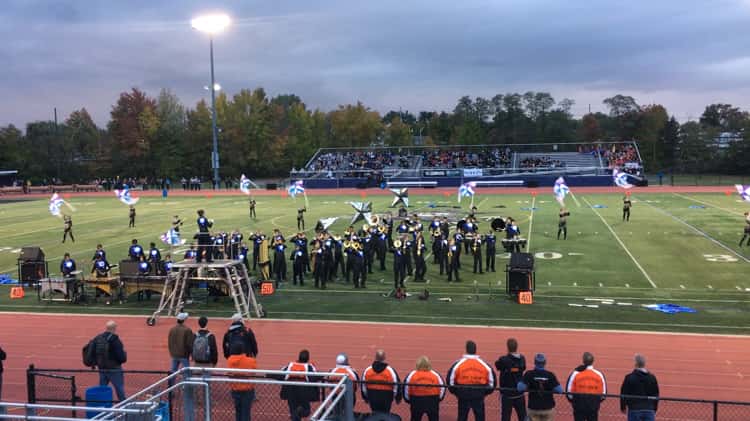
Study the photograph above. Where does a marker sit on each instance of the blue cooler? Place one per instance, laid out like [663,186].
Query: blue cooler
[99,397]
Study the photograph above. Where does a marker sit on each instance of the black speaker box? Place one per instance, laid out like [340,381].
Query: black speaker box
[532,184]
[31,254]
[518,282]
[271,186]
[128,269]
[33,271]
[522,261]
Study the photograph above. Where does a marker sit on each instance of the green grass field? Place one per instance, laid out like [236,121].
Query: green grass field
[676,248]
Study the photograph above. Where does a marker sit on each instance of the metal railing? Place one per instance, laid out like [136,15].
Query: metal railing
[141,411]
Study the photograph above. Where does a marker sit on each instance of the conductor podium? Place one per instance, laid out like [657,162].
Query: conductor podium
[519,274]
[228,276]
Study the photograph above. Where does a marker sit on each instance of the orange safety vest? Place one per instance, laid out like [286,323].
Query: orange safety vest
[417,378]
[344,369]
[299,368]
[387,376]
[241,362]
[589,381]
[471,370]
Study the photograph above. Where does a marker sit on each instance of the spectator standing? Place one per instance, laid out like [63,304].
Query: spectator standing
[380,385]
[205,352]
[511,368]
[238,332]
[110,356]
[343,367]
[299,397]
[243,394]
[541,384]
[588,386]
[180,341]
[424,400]
[640,393]
[471,379]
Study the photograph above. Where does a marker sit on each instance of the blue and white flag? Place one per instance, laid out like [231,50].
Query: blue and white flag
[245,184]
[172,238]
[296,188]
[560,190]
[621,179]
[466,190]
[744,192]
[55,203]
[124,196]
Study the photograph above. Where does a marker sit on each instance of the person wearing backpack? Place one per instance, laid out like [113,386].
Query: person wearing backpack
[109,356]
[238,333]
[205,353]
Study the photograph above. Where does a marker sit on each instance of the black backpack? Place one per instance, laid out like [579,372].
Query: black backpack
[89,354]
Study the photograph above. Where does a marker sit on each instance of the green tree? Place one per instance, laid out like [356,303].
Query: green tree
[170,136]
[355,125]
[12,145]
[82,148]
[397,133]
[133,127]
[724,117]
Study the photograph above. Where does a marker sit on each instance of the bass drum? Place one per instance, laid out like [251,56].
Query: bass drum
[498,224]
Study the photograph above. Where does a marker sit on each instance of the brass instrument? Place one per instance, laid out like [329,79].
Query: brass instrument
[397,244]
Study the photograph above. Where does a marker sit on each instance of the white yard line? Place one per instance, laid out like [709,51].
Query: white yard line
[643,271]
[699,231]
[531,224]
[708,204]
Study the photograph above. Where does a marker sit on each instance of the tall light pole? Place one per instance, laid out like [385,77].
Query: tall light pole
[212,24]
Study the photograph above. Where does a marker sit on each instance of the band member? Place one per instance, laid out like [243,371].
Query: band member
[243,252]
[144,267]
[626,205]
[166,264]
[67,266]
[154,256]
[358,266]
[235,241]
[437,238]
[408,246]
[100,267]
[399,265]
[131,215]
[252,208]
[368,248]
[473,212]
[191,253]
[381,245]
[301,241]
[68,228]
[279,262]
[99,252]
[434,225]
[491,242]
[136,251]
[301,218]
[746,233]
[318,262]
[204,237]
[512,232]
[298,265]
[440,249]
[257,238]
[445,227]
[562,225]
[458,238]
[419,263]
[218,242]
[338,258]
[469,230]
[476,251]
[452,255]
[176,223]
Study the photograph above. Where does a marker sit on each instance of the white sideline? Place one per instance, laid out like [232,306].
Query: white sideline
[643,271]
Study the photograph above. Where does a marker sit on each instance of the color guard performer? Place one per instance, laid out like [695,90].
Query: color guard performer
[562,225]
[68,228]
[746,233]
[626,205]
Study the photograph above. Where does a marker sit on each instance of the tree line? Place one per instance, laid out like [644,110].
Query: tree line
[265,136]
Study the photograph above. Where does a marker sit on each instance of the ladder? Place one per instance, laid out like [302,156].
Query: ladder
[258,309]
[171,295]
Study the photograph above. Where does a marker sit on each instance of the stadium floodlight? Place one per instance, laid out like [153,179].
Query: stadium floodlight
[217,87]
[212,24]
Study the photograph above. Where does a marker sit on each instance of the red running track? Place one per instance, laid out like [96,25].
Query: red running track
[687,366]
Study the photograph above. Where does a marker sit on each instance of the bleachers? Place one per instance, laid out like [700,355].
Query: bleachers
[559,160]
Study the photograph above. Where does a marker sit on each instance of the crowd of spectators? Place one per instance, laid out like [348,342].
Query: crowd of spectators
[541,162]
[616,155]
[359,160]
[461,158]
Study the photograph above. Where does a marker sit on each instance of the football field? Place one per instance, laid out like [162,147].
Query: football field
[677,248]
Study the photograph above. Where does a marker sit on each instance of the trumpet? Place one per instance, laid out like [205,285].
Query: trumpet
[365,227]
[347,244]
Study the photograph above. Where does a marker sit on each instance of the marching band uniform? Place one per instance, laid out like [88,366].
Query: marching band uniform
[279,262]
[381,245]
[458,238]
[338,258]
[476,251]
[369,251]
[399,266]
[257,239]
[154,256]
[234,244]
[490,241]
[204,238]
[358,266]
[298,265]
[242,255]
[67,266]
[100,267]
[135,252]
[453,253]
[419,263]
[408,246]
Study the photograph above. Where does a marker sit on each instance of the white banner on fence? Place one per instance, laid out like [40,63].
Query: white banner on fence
[472,172]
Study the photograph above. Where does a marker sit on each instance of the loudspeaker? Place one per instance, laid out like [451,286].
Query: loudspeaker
[523,261]
[31,254]
[32,271]
[271,186]
[519,281]
[128,269]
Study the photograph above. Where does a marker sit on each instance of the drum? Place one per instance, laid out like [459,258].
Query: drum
[498,224]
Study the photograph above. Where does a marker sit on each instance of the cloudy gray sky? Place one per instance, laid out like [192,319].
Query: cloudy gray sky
[409,54]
